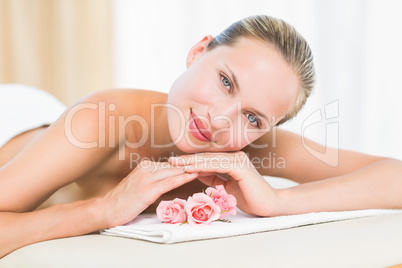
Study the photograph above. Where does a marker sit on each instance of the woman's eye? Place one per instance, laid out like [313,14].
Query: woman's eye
[253,120]
[226,82]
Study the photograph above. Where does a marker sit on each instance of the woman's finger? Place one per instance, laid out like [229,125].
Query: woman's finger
[160,170]
[212,180]
[191,159]
[236,169]
[170,183]
[236,164]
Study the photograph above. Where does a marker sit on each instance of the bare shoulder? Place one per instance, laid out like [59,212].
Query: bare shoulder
[286,154]
[126,100]
[66,151]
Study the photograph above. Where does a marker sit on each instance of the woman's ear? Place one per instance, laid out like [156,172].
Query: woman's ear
[197,50]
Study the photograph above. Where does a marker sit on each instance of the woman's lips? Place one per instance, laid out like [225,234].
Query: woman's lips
[198,129]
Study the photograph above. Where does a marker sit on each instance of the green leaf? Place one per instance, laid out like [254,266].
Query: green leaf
[224,220]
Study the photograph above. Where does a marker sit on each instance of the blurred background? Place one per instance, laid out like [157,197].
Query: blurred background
[73,47]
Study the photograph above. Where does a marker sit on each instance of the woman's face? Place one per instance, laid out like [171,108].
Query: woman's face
[229,96]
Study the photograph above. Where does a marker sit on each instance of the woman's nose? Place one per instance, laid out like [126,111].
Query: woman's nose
[221,121]
[224,115]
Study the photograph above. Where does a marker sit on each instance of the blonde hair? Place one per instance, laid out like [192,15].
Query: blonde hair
[288,42]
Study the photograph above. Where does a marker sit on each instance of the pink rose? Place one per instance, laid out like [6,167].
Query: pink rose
[225,201]
[201,209]
[172,211]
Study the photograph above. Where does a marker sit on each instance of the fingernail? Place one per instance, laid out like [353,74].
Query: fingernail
[186,167]
[193,174]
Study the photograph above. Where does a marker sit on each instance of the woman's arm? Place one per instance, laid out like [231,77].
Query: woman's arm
[358,181]
[285,155]
[377,185]
[353,181]
[143,186]
[64,220]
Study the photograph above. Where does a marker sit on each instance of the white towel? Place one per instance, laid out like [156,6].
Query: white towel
[23,108]
[149,227]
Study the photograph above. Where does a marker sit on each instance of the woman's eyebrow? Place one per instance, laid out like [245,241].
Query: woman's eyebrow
[233,76]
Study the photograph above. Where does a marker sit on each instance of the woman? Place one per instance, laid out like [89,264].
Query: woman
[108,153]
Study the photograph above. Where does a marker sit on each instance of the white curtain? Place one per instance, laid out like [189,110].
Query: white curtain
[356,44]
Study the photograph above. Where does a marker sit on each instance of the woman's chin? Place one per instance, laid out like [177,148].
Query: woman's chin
[185,147]
[189,147]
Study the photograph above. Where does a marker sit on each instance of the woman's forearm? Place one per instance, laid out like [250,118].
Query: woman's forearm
[142,187]
[377,185]
[64,220]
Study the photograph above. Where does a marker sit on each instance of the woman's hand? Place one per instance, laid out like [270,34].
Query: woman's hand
[142,187]
[254,195]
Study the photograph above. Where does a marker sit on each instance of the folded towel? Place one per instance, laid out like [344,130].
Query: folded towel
[149,227]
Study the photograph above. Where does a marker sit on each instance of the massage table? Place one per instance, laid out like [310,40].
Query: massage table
[374,241]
